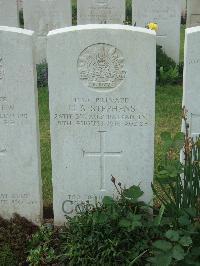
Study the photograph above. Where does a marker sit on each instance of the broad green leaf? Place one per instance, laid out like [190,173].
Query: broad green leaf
[133,193]
[185,241]
[178,252]
[161,260]
[172,235]
[184,220]
[162,245]
[108,200]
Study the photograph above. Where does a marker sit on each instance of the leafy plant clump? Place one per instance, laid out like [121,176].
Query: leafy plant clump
[167,71]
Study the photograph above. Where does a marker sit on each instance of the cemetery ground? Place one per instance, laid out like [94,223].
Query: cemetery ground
[120,232]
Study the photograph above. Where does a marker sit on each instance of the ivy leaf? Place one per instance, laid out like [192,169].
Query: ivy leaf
[133,193]
[161,260]
[172,235]
[184,220]
[162,245]
[185,241]
[178,252]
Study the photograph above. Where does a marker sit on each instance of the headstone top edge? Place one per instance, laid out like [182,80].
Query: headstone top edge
[99,27]
[193,30]
[16,30]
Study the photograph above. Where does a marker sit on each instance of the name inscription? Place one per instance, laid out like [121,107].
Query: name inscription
[8,114]
[98,112]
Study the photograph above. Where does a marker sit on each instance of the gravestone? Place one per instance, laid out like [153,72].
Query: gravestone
[167,14]
[42,16]
[102,112]
[100,11]
[20,4]
[193,13]
[9,13]
[20,189]
[191,92]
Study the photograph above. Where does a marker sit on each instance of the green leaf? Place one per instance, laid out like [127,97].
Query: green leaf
[161,260]
[124,223]
[172,235]
[133,193]
[184,220]
[108,200]
[162,245]
[178,252]
[185,241]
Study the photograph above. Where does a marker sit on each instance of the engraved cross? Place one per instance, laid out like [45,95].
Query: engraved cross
[102,154]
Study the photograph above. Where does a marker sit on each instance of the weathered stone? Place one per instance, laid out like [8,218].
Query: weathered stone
[20,189]
[9,13]
[42,16]
[167,14]
[193,13]
[100,11]
[191,92]
[102,112]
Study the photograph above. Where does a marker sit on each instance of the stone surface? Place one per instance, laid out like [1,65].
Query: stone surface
[100,11]
[42,16]
[102,112]
[20,189]
[9,13]
[167,14]
[20,4]
[191,92]
[184,8]
[193,13]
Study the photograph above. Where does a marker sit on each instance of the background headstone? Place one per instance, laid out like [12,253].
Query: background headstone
[167,14]
[100,11]
[191,92]
[20,181]
[42,16]
[193,13]
[102,112]
[9,13]
[20,4]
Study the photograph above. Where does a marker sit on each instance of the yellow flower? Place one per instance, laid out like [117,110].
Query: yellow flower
[152,26]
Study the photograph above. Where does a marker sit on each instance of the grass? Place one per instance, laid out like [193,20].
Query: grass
[168,118]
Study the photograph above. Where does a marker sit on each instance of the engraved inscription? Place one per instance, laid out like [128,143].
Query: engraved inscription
[101,67]
[102,154]
[102,112]
[17,199]
[1,69]
[102,2]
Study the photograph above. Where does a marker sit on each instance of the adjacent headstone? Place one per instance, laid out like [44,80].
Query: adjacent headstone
[42,16]
[20,4]
[167,14]
[20,189]
[100,11]
[183,8]
[193,13]
[191,92]
[9,13]
[102,100]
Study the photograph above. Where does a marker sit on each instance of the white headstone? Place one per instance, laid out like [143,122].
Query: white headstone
[20,189]
[193,13]
[9,13]
[100,11]
[183,7]
[42,16]
[167,14]
[102,111]
[20,4]
[191,92]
